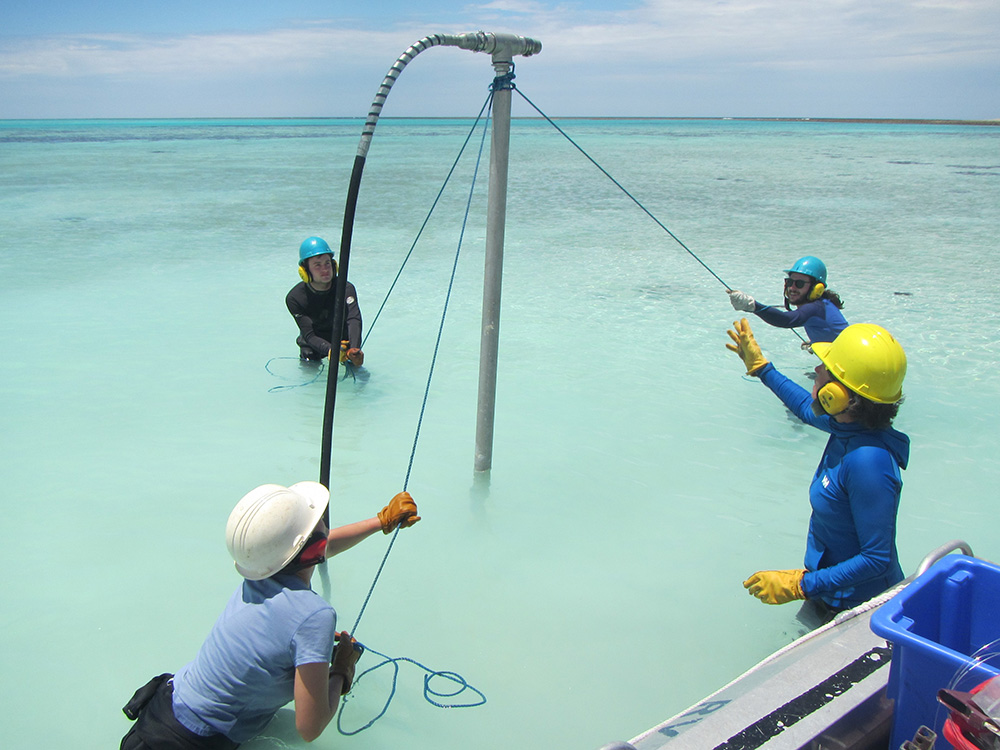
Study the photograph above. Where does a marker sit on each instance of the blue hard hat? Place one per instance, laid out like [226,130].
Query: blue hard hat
[810,265]
[311,247]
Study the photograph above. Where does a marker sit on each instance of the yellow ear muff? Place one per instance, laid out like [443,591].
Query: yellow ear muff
[817,291]
[303,274]
[834,398]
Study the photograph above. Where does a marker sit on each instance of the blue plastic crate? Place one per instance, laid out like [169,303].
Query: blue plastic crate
[943,628]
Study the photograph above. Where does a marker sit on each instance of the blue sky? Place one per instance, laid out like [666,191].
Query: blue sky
[648,58]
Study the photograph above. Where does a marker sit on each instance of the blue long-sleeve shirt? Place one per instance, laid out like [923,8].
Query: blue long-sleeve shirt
[821,318]
[851,548]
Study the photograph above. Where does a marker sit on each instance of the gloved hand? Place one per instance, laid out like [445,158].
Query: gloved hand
[742,301]
[745,345]
[356,356]
[345,655]
[776,586]
[343,351]
[401,511]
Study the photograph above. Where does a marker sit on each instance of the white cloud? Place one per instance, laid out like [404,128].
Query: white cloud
[609,59]
[120,54]
[783,33]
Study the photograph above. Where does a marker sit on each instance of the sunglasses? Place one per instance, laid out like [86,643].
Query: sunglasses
[797,283]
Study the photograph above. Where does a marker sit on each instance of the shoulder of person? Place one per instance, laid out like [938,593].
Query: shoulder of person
[297,293]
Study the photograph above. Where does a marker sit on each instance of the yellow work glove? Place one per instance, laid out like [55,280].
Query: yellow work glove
[345,655]
[401,511]
[745,345]
[343,351]
[776,586]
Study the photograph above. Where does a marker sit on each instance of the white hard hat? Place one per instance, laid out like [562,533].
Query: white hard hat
[270,525]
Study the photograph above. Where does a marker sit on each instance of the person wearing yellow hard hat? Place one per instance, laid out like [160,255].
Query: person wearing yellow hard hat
[275,641]
[311,303]
[851,546]
[816,308]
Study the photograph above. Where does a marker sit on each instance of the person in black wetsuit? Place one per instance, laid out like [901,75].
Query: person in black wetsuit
[311,304]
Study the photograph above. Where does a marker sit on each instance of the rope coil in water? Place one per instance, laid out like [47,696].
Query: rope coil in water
[430,694]
[321,366]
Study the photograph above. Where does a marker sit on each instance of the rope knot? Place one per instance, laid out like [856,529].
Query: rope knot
[504,82]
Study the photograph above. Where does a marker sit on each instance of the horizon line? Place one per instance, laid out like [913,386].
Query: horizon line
[361,118]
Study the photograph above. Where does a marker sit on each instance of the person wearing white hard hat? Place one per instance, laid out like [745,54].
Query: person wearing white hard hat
[274,641]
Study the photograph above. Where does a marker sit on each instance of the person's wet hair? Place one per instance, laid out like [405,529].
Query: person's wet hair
[834,298]
[870,415]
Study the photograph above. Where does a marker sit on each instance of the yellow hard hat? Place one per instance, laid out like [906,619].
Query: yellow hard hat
[867,359]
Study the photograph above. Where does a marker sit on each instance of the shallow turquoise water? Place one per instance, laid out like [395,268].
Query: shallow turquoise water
[592,588]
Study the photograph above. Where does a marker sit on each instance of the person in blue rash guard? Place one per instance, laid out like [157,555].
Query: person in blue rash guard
[274,641]
[817,309]
[851,547]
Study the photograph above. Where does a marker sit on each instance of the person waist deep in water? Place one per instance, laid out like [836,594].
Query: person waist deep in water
[274,640]
[817,308]
[311,303]
[851,544]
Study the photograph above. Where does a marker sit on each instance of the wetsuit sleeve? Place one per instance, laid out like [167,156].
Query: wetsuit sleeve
[295,301]
[794,396]
[353,318]
[870,478]
[775,316]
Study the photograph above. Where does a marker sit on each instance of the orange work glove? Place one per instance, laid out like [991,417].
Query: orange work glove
[776,586]
[356,357]
[401,511]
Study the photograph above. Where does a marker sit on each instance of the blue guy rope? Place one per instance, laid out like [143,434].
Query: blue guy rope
[427,219]
[430,694]
[632,197]
[430,374]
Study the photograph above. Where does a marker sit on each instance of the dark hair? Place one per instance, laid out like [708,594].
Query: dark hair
[834,298]
[870,415]
[827,294]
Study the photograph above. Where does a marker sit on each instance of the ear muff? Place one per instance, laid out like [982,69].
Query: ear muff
[304,272]
[817,291]
[834,398]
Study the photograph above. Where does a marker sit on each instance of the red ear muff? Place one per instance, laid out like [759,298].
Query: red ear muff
[817,291]
[834,398]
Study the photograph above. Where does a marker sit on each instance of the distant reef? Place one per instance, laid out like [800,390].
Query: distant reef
[890,120]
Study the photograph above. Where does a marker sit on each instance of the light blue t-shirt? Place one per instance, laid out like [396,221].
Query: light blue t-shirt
[245,670]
